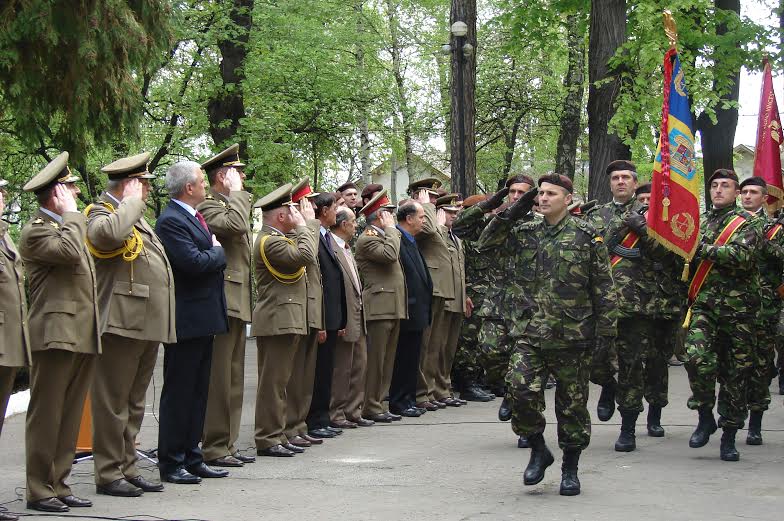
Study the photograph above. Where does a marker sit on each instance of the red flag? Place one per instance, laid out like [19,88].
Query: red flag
[767,154]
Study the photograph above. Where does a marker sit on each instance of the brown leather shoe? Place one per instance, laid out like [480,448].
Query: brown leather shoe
[75,502]
[428,406]
[225,461]
[299,441]
[311,439]
[120,488]
[50,504]
[343,424]
[363,422]
[146,484]
[243,458]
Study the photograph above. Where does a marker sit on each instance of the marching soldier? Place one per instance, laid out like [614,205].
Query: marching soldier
[280,316]
[574,297]
[64,335]
[227,212]
[15,338]
[724,296]
[623,182]
[753,193]
[136,298]
[384,298]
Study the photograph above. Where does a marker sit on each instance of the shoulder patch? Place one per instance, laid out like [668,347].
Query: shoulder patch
[38,221]
[598,238]
[209,197]
[54,225]
[371,232]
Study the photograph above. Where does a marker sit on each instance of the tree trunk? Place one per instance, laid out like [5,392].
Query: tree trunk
[443,83]
[402,97]
[510,142]
[462,90]
[718,139]
[607,33]
[364,132]
[393,178]
[228,103]
[566,150]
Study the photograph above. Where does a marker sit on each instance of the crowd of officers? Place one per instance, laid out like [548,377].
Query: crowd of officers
[366,311]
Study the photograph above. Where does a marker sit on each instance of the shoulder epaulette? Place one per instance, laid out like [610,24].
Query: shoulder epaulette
[209,197]
[38,221]
[586,227]
[371,232]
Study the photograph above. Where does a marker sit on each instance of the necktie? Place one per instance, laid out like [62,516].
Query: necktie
[200,218]
[328,238]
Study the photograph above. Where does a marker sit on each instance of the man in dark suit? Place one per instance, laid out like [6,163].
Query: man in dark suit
[334,298]
[197,261]
[402,392]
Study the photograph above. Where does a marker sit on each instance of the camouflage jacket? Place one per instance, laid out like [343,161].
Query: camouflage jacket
[669,297]
[634,275]
[732,285]
[568,270]
[770,263]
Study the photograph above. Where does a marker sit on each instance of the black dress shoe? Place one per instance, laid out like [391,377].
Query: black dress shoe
[411,412]
[475,394]
[8,516]
[293,448]
[338,431]
[420,410]
[363,422]
[243,458]
[378,418]
[50,504]
[181,477]
[203,471]
[276,451]
[451,402]
[394,417]
[321,433]
[75,502]
[225,461]
[146,484]
[120,488]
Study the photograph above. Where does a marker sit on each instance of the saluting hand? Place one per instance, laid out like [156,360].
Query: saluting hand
[132,188]
[296,216]
[232,181]
[422,197]
[494,201]
[63,200]
[307,209]
[523,205]
[385,219]
[441,217]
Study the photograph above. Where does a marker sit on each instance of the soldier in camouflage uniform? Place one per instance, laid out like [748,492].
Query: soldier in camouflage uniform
[604,365]
[574,300]
[721,340]
[770,259]
[633,272]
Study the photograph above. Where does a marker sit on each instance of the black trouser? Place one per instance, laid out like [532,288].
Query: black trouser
[186,381]
[318,415]
[402,392]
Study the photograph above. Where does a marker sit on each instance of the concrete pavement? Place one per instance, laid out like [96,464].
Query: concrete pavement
[454,464]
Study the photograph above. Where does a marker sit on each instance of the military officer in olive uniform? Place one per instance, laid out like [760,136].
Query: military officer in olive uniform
[14,336]
[384,298]
[64,334]
[136,301]
[574,299]
[227,212]
[286,244]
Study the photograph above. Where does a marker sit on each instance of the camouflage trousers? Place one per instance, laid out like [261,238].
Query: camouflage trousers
[763,368]
[632,345]
[604,364]
[466,368]
[665,336]
[719,348]
[529,369]
[495,348]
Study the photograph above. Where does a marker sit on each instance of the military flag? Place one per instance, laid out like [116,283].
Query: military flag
[767,153]
[674,214]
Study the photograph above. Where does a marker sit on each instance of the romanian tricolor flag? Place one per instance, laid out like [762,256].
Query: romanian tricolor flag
[674,214]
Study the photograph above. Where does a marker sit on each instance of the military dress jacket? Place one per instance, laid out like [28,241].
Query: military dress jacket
[573,291]
[136,299]
[733,285]
[433,244]
[14,333]
[229,219]
[281,307]
[63,300]
[384,293]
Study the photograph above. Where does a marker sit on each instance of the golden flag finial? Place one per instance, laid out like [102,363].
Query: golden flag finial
[670,28]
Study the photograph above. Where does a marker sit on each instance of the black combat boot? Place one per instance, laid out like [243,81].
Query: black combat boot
[505,411]
[781,381]
[626,440]
[570,483]
[728,450]
[754,436]
[522,443]
[473,393]
[541,458]
[705,427]
[654,421]
[606,406]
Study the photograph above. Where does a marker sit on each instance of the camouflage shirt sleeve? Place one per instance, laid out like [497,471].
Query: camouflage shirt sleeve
[603,291]
[739,252]
[469,224]
[495,234]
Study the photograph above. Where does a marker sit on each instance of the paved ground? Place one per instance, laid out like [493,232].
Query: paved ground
[455,464]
